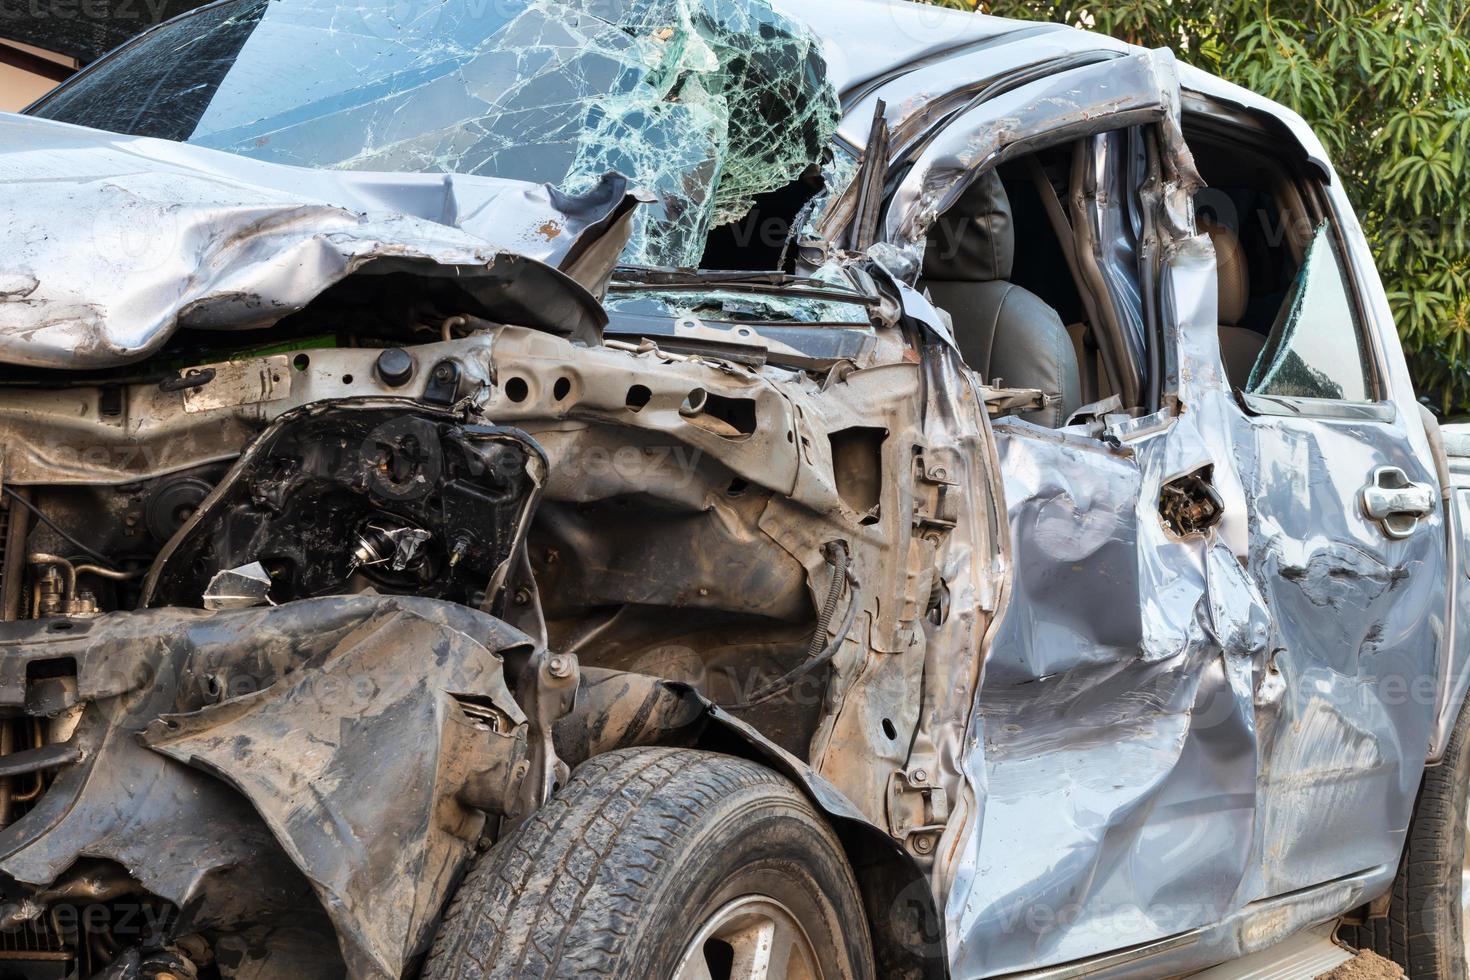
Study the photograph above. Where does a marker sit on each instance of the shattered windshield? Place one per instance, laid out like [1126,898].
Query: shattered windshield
[708,104]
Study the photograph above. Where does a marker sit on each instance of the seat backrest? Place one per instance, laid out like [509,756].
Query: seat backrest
[1006,333]
[1239,346]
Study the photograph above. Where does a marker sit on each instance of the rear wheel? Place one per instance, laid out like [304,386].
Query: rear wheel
[1427,929]
[661,863]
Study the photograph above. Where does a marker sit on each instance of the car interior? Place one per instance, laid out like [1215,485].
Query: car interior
[1256,218]
[1005,331]
[996,264]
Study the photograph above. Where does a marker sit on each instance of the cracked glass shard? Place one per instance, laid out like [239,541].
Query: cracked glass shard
[239,588]
[705,103]
[838,171]
[1316,347]
[733,307]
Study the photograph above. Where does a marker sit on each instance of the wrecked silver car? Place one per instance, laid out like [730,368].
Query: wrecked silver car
[707,489]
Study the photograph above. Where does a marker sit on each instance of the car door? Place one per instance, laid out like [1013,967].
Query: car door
[1112,746]
[1346,541]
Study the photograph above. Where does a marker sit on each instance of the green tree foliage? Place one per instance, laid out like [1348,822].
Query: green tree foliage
[1386,85]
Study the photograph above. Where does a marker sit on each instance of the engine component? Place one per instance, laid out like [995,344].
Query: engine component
[56,592]
[395,367]
[172,503]
[399,547]
[401,496]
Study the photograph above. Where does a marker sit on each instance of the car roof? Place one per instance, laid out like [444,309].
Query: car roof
[866,39]
[868,42]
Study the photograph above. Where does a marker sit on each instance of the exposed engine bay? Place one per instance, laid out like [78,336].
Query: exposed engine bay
[363,604]
[346,513]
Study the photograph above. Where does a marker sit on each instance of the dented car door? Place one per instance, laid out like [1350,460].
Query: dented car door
[1347,541]
[1115,731]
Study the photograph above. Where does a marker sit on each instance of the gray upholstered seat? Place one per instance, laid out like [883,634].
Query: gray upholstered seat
[1239,346]
[1004,332]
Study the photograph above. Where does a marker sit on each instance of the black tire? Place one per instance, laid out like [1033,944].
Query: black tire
[614,876]
[1424,929]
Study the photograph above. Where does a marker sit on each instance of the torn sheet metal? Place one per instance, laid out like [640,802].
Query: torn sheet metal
[295,762]
[1132,89]
[918,95]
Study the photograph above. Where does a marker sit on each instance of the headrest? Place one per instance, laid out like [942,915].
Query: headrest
[974,240]
[1234,276]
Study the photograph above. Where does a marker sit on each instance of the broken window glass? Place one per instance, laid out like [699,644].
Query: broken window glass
[741,308]
[706,103]
[1316,349]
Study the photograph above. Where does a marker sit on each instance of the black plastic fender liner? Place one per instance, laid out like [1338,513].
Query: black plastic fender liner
[616,709]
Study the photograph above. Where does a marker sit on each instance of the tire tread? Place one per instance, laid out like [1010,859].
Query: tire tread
[595,850]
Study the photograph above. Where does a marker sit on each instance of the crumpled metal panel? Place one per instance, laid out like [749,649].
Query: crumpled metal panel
[1128,90]
[1360,630]
[917,95]
[174,235]
[1160,715]
[1160,721]
[1116,712]
[1176,729]
[319,743]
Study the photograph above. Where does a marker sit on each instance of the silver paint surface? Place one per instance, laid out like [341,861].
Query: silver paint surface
[155,235]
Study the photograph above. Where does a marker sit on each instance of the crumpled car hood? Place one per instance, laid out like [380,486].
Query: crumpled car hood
[108,243]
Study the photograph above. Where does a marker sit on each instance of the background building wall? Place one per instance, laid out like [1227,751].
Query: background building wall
[20,81]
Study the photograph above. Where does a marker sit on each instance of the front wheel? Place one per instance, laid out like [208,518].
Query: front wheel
[661,863]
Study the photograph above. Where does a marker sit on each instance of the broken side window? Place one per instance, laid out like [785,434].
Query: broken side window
[1317,348]
[713,105]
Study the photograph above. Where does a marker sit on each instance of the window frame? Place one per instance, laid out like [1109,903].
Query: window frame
[1310,183]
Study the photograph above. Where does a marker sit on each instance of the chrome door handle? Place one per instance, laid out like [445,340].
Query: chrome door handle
[1396,503]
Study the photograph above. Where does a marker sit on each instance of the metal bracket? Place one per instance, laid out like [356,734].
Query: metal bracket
[549,682]
[936,502]
[1008,401]
[918,809]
